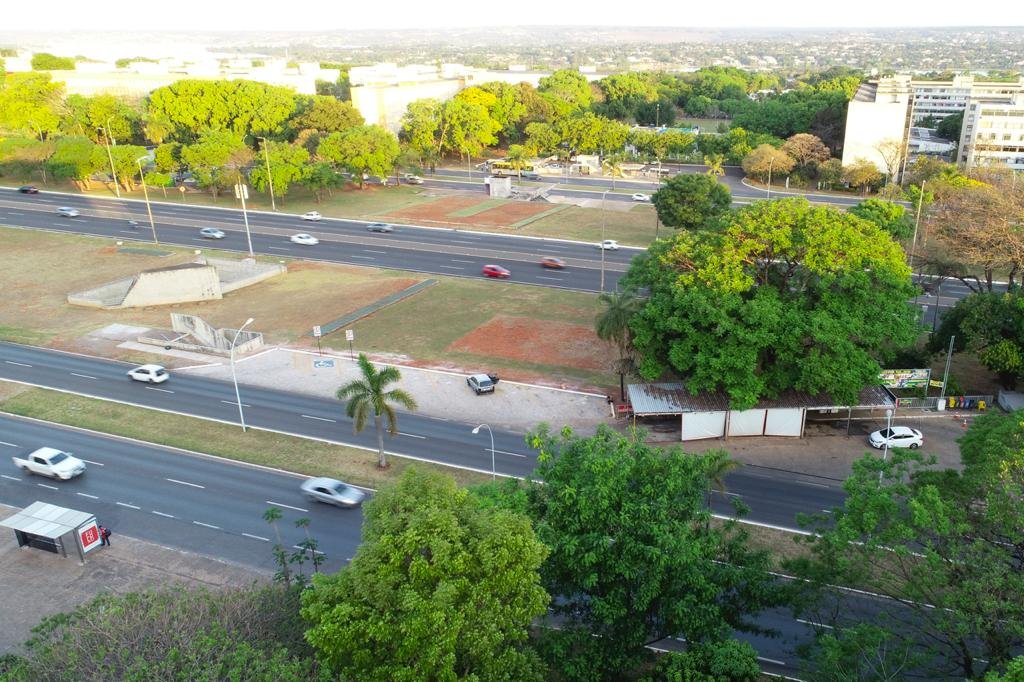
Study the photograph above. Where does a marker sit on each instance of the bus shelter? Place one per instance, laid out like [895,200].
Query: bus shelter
[52,528]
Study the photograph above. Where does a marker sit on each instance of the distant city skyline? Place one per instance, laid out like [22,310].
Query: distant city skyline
[324,15]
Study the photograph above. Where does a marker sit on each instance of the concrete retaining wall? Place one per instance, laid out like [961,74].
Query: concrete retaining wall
[193,282]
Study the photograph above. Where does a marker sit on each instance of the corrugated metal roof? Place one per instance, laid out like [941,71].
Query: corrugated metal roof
[673,398]
[46,520]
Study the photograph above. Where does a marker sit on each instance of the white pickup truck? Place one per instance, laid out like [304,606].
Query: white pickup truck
[51,462]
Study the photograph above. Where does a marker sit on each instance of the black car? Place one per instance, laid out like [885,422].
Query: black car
[380,227]
[28,189]
[530,176]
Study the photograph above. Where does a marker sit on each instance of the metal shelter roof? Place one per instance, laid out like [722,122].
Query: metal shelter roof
[46,520]
[673,398]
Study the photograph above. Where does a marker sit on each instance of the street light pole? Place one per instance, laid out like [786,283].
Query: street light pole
[771,162]
[110,157]
[888,435]
[604,220]
[494,473]
[234,377]
[270,178]
[145,193]
[241,190]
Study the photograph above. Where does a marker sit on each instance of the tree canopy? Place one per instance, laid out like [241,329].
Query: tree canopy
[786,296]
[888,215]
[241,107]
[990,325]
[691,201]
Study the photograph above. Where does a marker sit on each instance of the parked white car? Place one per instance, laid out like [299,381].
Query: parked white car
[609,245]
[897,437]
[312,215]
[151,374]
[304,239]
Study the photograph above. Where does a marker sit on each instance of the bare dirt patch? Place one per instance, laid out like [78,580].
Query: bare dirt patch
[536,341]
[439,210]
[508,213]
[443,210]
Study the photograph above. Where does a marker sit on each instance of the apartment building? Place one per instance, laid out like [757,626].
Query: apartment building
[882,114]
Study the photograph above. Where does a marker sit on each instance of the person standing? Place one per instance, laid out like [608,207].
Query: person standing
[104,536]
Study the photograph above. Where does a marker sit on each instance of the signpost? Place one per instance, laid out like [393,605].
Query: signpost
[350,337]
[317,333]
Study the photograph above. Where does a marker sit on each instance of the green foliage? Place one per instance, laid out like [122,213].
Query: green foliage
[245,108]
[890,217]
[216,159]
[689,201]
[124,156]
[421,125]
[366,149]
[29,103]
[167,157]
[327,115]
[1014,672]
[44,61]
[634,558]
[949,128]
[125,62]
[250,633]
[786,296]
[466,127]
[320,178]
[75,158]
[442,588]
[766,160]
[808,110]
[727,661]
[287,164]
[566,91]
[369,395]
[862,652]
[990,325]
[862,173]
[944,546]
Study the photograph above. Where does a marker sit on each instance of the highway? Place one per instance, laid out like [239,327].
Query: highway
[450,252]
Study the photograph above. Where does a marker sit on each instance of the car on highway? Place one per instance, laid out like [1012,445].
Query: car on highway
[68,212]
[552,262]
[312,215]
[332,491]
[482,383]
[495,271]
[380,227]
[412,179]
[51,462]
[609,245]
[28,189]
[640,196]
[150,374]
[896,437]
[530,176]
[211,233]
[304,239]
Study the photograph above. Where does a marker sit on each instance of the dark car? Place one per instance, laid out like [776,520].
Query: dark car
[380,227]
[495,271]
[28,189]
[530,176]
[552,262]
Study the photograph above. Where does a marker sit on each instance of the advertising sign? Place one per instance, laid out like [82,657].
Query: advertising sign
[905,378]
[89,536]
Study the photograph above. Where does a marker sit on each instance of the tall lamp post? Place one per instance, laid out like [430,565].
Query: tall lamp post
[604,219]
[145,193]
[234,377]
[888,435]
[771,162]
[270,178]
[494,473]
[110,158]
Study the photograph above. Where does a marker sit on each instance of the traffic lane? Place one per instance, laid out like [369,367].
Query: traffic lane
[147,486]
[775,499]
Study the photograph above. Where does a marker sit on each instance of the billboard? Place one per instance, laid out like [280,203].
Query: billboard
[905,378]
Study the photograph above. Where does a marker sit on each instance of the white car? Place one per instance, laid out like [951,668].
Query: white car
[609,245]
[305,239]
[68,212]
[151,374]
[412,179]
[312,215]
[641,197]
[332,491]
[897,437]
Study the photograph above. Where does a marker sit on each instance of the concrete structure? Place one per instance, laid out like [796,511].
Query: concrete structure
[203,280]
[383,92]
[193,333]
[886,111]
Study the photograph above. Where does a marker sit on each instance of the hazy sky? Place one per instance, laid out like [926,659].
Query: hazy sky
[319,15]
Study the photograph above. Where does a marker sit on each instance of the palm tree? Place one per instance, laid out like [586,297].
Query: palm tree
[369,395]
[714,163]
[612,325]
[718,464]
[517,157]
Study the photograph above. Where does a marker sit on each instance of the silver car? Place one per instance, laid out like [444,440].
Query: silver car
[68,212]
[332,491]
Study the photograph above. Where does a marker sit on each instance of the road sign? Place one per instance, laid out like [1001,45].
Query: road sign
[317,331]
[350,335]
[323,364]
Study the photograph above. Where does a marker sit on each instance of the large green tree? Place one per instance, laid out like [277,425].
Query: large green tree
[287,162]
[991,326]
[466,126]
[888,215]
[76,158]
[421,124]
[633,559]
[785,296]
[326,115]
[943,546]
[363,150]
[216,159]
[692,201]
[241,107]
[369,395]
[441,588]
[30,104]
[566,91]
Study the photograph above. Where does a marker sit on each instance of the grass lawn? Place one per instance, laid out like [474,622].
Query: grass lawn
[299,455]
[635,227]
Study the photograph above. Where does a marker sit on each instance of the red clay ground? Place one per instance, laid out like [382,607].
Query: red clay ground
[441,210]
[536,341]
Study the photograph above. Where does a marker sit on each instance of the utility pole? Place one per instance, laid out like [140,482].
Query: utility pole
[110,157]
[270,178]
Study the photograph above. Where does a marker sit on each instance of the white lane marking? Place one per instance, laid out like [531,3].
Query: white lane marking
[553,279]
[812,623]
[412,435]
[280,248]
[206,525]
[166,516]
[733,494]
[125,504]
[458,260]
[19,364]
[304,549]
[15,213]
[84,376]
[319,419]
[256,537]
[12,445]
[460,241]
[10,478]
[91,497]
[232,402]
[51,487]
[286,506]
[452,267]
[771,660]
[194,485]
[505,452]
[162,390]
[375,251]
[94,463]
[363,257]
